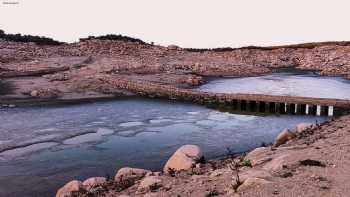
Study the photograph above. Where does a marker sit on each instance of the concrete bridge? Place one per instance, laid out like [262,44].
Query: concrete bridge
[244,102]
[281,104]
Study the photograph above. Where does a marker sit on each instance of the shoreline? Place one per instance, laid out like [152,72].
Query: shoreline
[263,166]
[5,100]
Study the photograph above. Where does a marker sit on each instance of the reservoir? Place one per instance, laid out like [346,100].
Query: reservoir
[41,148]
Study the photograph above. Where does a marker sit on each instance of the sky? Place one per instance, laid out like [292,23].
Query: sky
[186,23]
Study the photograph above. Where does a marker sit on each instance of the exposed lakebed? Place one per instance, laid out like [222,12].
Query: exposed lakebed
[44,147]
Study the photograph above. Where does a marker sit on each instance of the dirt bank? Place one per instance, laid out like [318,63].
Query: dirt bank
[315,163]
[53,72]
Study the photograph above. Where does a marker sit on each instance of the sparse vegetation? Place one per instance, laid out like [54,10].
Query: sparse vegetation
[39,40]
[310,45]
[246,163]
[234,165]
[114,37]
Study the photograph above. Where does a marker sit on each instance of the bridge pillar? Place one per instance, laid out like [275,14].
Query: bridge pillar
[318,110]
[307,109]
[286,108]
[330,110]
[282,108]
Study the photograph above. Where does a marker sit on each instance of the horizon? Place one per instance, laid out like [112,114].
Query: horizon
[194,24]
[97,37]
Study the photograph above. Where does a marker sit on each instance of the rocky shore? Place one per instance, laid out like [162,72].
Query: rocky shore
[309,160]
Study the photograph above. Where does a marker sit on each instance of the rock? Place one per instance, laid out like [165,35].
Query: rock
[254,173]
[68,189]
[258,156]
[34,93]
[311,162]
[232,193]
[276,164]
[252,182]
[219,172]
[198,178]
[184,158]
[198,165]
[303,126]
[283,137]
[93,182]
[132,174]
[149,184]
[173,47]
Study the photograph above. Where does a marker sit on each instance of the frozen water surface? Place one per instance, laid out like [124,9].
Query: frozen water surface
[61,143]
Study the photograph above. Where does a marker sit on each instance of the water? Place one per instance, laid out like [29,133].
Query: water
[41,148]
[289,84]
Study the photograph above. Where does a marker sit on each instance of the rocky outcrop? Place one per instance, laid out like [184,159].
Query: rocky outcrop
[307,166]
[93,182]
[258,156]
[184,158]
[303,126]
[45,93]
[81,67]
[252,182]
[283,137]
[131,174]
[149,183]
[70,188]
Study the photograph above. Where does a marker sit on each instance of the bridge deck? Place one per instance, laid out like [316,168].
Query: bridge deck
[342,103]
[166,91]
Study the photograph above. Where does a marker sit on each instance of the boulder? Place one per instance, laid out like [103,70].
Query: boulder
[254,173]
[252,182]
[303,126]
[93,182]
[173,47]
[34,93]
[68,189]
[283,137]
[184,158]
[132,174]
[277,163]
[149,183]
[258,156]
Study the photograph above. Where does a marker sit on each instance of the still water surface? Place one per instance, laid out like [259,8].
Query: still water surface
[290,84]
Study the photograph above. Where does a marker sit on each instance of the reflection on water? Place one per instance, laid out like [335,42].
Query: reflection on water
[307,85]
[80,141]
